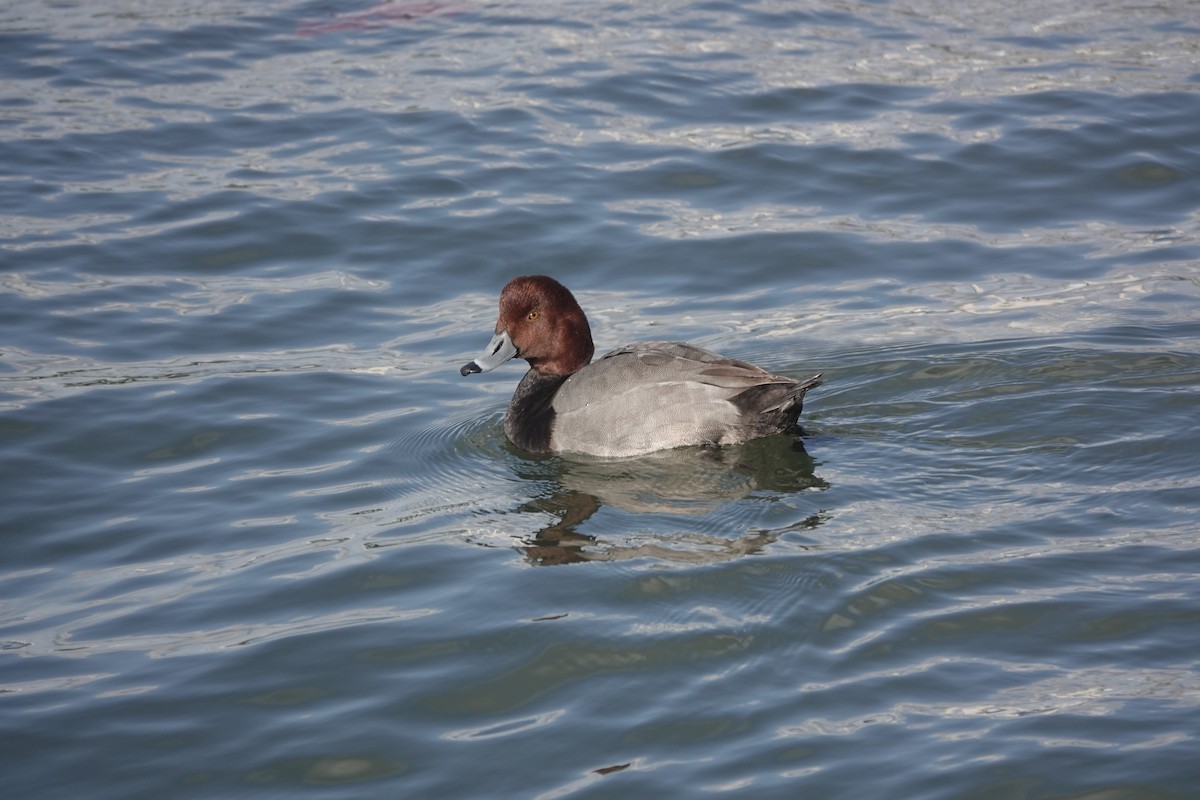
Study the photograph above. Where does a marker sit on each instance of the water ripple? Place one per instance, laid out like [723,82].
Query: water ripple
[254,515]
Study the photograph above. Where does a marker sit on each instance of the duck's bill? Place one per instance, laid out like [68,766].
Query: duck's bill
[499,350]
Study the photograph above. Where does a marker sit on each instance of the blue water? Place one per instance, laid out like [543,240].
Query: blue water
[260,539]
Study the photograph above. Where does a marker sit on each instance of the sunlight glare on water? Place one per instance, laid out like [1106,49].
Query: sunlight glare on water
[261,539]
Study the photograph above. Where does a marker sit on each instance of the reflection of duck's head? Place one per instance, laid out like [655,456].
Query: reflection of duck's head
[635,400]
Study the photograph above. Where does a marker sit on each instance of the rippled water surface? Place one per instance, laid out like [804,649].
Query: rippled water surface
[260,539]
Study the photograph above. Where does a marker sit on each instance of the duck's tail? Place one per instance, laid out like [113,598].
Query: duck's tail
[794,395]
[775,406]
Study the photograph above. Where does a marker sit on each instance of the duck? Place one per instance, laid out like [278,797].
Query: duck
[637,399]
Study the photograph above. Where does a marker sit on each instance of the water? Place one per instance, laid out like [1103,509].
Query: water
[260,539]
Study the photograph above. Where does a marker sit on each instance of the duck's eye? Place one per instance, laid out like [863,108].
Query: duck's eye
[533,315]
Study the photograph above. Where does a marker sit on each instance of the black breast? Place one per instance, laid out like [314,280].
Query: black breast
[530,416]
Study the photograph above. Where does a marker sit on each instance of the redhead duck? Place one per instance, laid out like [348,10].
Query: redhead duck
[637,399]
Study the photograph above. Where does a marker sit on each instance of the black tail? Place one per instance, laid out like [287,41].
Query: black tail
[777,404]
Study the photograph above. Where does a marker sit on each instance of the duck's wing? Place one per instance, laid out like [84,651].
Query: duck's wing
[657,395]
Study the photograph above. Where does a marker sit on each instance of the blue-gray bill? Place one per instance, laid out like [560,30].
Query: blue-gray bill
[499,350]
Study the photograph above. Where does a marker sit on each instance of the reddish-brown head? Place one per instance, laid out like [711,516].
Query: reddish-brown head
[546,324]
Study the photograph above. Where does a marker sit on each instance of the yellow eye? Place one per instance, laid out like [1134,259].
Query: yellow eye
[533,315]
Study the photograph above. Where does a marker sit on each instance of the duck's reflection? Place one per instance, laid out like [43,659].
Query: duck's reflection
[689,481]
